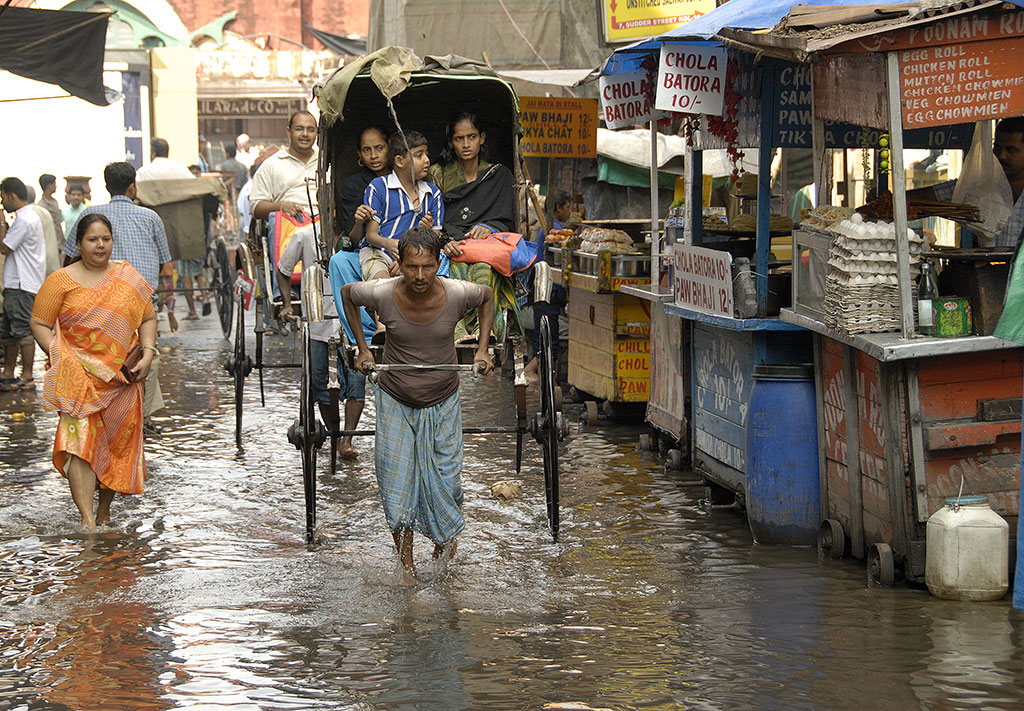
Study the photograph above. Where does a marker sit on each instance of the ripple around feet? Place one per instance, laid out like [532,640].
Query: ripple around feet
[204,595]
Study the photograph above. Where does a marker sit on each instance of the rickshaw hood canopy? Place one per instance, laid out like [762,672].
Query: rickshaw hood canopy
[391,68]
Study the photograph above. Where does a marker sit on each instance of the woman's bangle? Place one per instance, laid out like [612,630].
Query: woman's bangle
[152,348]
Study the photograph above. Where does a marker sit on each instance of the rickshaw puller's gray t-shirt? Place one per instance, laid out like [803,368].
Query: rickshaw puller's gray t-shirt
[409,342]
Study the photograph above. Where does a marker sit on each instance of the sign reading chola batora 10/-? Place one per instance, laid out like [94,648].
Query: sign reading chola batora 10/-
[691,79]
[625,100]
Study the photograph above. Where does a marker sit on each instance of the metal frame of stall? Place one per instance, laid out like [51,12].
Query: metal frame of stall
[896,434]
[724,351]
[715,432]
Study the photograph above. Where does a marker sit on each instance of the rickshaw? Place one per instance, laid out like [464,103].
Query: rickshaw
[393,87]
[187,207]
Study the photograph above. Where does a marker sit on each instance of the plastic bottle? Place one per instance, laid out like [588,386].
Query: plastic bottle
[744,291]
[927,292]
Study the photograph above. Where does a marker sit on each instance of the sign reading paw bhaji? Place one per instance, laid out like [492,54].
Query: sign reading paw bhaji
[627,20]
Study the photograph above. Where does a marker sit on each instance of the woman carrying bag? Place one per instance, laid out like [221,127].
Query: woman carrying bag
[95,320]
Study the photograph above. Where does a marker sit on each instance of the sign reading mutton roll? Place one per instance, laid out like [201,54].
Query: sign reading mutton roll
[625,100]
[691,79]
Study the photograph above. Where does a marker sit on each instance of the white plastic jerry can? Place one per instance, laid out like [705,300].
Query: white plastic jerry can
[967,551]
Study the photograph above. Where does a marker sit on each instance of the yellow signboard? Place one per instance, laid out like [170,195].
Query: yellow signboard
[628,20]
[558,128]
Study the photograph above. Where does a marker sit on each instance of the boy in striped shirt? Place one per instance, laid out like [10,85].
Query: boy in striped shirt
[399,201]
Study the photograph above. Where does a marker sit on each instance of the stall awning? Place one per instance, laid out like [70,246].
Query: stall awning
[551,77]
[59,47]
[752,15]
[806,30]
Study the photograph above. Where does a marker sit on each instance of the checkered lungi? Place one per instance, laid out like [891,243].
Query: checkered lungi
[419,466]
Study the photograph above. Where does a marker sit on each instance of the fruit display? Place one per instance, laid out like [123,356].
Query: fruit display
[557,237]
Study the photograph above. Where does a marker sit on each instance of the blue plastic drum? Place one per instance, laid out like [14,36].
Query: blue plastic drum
[783,504]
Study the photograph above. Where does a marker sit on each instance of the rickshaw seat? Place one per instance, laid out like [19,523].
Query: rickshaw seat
[280,229]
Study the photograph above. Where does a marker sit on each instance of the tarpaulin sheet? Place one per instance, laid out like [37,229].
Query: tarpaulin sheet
[59,47]
[342,46]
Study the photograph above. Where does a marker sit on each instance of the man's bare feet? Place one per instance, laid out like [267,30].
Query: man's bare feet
[346,450]
[447,552]
[532,371]
[172,320]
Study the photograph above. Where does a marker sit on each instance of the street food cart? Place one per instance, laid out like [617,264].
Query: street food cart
[904,420]
[609,331]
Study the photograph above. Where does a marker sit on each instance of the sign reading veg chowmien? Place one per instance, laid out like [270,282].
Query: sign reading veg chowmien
[624,100]
[558,128]
[691,79]
[626,20]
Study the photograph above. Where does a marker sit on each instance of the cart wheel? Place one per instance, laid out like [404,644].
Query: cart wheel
[831,540]
[645,443]
[548,426]
[881,567]
[591,412]
[675,459]
[308,427]
[223,286]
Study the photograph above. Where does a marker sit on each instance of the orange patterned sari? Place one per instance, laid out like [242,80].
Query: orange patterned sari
[100,411]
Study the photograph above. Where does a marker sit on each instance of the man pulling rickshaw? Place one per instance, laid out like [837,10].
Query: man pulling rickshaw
[418,445]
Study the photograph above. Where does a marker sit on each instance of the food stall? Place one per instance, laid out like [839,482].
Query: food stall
[904,420]
[609,331]
[719,318]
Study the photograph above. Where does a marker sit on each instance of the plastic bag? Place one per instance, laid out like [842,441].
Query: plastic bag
[983,183]
[1011,320]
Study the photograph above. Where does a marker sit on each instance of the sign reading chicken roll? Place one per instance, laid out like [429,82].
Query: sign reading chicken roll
[691,79]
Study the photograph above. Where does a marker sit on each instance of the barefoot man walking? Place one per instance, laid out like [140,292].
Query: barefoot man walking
[418,448]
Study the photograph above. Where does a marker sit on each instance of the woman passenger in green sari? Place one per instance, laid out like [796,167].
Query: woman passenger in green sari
[479,200]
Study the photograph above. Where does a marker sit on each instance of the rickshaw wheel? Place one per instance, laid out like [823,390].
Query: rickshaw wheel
[240,367]
[547,434]
[308,425]
[223,286]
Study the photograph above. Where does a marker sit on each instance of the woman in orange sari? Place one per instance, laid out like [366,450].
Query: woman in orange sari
[87,317]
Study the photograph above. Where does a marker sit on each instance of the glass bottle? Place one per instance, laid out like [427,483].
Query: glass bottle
[927,292]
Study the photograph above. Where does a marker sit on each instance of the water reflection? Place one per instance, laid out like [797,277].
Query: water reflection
[206,597]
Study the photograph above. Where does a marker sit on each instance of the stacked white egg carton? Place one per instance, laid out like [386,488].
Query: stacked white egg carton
[862,292]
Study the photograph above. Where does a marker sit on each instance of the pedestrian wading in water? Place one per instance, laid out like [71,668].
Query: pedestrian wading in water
[89,317]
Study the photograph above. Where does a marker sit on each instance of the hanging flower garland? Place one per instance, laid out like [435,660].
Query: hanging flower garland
[727,126]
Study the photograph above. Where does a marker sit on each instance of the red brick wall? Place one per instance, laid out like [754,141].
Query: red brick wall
[284,18]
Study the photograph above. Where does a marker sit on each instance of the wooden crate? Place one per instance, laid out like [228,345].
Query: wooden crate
[609,345]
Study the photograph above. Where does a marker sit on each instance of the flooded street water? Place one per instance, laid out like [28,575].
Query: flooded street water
[204,595]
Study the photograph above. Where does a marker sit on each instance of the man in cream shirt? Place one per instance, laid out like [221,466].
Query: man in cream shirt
[280,183]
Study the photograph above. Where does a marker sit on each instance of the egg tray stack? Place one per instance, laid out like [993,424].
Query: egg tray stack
[862,289]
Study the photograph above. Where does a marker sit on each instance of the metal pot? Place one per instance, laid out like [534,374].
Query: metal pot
[630,265]
[554,256]
[586,263]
